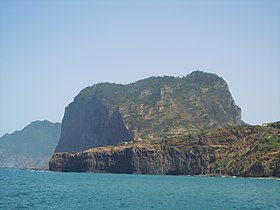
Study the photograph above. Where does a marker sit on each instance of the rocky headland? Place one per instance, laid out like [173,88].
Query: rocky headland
[106,113]
[247,151]
[164,125]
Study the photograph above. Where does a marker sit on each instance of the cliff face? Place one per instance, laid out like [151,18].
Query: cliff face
[106,114]
[89,124]
[139,158]
[241,151]
[31,147]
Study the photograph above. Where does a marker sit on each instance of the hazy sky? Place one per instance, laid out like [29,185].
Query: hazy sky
[50,50]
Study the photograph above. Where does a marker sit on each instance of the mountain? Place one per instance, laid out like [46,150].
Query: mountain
[247,151]
[31,147]
[87,125]
[106,113]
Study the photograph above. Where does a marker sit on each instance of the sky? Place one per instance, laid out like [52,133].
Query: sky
[52,49]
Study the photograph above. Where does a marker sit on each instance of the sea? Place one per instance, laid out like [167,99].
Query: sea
[32,189]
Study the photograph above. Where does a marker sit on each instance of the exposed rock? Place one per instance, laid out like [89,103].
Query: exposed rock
[106,114]
[248,151]
[88,124]
[139,159]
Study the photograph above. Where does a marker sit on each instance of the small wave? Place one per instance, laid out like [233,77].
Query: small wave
[265,178]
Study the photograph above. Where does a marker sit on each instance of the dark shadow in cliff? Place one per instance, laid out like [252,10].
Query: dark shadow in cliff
[88,123]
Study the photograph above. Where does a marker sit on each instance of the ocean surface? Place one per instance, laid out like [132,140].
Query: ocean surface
[27,189]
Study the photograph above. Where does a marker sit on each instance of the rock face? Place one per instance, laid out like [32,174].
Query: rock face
[32,147]
[106,114]
[140,159]
[241,151]
[88,124]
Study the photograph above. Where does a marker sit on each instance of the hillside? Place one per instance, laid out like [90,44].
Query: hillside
[247,151]
[31,147]
[106,114]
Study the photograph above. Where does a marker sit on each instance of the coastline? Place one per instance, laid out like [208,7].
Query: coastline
[104,172]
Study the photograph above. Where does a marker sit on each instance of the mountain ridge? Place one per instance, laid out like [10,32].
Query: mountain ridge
[30,147]
[180,126]
[149,106]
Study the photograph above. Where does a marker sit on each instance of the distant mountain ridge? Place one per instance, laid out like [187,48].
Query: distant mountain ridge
[31,147]
[148,107]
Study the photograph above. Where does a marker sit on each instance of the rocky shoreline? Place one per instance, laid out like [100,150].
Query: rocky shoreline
[243,151]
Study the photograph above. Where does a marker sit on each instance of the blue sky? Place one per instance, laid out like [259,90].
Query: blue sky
[50,50]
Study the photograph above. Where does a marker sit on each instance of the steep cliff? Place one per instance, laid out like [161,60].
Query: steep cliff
[144,158]
[88,124]
[106,113]
[240,151]
[31,147]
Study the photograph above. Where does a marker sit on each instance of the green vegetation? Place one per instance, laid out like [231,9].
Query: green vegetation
[223,162]
[270,143]
[233,151]
[195,102]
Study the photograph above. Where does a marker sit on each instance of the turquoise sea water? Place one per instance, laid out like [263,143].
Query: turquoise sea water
[25,189]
